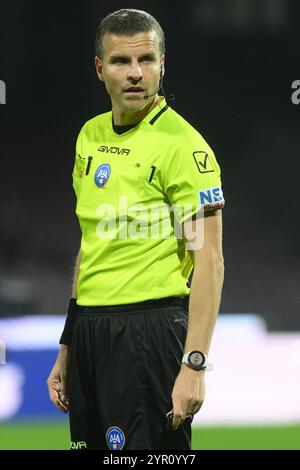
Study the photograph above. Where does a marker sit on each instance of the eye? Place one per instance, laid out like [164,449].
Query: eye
[147,59]
[119,60]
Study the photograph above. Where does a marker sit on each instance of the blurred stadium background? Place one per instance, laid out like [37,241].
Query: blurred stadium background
[231,64]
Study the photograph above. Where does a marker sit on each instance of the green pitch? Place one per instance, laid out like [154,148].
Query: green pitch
[247,438]
[55,435]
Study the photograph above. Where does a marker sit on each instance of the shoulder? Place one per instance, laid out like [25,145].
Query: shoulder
[178,131]
[178,137]
[95,124]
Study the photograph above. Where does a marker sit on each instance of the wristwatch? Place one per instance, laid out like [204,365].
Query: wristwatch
[196,360]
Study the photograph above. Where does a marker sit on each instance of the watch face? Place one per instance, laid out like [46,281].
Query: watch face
[196,359]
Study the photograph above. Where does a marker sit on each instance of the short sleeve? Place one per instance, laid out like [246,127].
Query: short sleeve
[192,178]
[78,169]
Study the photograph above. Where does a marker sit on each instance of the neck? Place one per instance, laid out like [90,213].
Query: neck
[133,117]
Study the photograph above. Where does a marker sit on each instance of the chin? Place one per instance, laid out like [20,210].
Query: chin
[134,104]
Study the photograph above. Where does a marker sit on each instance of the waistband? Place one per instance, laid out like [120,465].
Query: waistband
[166,302]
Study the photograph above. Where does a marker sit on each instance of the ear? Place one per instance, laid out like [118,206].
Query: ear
[162,64]
[99,68]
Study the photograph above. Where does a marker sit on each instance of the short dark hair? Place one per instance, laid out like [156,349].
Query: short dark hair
[128,21]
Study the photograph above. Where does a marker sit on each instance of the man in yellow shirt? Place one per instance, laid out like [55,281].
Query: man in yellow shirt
[135,343]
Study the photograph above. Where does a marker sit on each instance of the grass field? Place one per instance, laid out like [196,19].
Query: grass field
[55,435]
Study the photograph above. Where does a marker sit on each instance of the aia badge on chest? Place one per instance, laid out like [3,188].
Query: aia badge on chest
[102,175]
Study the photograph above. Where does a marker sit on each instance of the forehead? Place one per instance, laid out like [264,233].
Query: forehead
[130,45]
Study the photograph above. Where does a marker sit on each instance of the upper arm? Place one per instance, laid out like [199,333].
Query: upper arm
[203,237]
[192,177]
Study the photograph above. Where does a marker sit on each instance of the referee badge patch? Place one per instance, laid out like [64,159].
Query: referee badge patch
[115,438]
[203,162]
[102,175]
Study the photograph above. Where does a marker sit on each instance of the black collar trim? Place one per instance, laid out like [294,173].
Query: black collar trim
[158,114]
[122,129]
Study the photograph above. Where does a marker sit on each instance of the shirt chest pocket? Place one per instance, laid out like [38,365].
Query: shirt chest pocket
[138,182]
[131,172]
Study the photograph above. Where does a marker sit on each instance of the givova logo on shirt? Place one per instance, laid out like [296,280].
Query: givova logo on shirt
[211,197]
[116,150]
[115,438]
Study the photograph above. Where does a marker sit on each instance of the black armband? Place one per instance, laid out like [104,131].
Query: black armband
[67,334]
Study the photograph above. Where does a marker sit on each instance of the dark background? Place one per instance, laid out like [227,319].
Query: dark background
[230,64]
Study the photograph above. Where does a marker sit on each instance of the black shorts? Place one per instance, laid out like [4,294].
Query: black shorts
[123,366]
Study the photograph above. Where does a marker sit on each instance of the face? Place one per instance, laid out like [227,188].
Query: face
[130,69]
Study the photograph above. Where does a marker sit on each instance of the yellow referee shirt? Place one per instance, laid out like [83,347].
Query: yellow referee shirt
[131,189]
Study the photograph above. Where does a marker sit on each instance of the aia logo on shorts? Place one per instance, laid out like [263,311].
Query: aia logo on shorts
[115,438]
[102,175]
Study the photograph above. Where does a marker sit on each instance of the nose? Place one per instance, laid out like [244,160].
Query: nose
[135,73]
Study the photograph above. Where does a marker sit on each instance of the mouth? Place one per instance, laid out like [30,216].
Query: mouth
[134,90]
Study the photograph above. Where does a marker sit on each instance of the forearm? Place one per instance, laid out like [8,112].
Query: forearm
[76,274]
[67,334]
[205,296]
[189,388]
[63,353]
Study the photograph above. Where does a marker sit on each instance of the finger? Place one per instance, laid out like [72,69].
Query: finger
[64,403]
[59,403]
[178,418]
[55,397]
[179,412]
[64,392]
[194,406]
[61,406]
[197,409]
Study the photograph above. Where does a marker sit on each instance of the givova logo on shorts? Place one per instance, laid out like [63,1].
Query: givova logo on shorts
[78,445]
[115,438]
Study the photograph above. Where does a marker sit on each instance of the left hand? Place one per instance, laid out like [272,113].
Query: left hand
[188,394]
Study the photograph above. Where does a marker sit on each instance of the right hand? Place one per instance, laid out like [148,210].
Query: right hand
[57,380]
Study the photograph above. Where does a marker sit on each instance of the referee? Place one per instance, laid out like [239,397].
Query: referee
[134,348]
